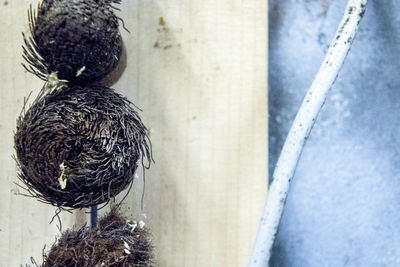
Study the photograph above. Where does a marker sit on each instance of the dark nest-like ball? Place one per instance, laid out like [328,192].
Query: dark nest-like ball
[78,147]
[116,242]
[78,39]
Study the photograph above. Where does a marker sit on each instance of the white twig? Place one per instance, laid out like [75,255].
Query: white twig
[300,131]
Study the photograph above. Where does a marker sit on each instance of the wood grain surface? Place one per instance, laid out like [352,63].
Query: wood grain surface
[198,70]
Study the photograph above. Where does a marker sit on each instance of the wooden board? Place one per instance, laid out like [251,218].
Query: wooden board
[198,69]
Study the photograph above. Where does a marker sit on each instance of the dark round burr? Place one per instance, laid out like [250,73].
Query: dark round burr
[116,242]
[80,146]
[78,39]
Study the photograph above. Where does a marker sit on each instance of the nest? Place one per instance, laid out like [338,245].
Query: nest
[116,242]
[78,39]
[79,146]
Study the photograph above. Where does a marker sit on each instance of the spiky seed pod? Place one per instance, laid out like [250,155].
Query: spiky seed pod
[77,147]
[117,242]
[78,39]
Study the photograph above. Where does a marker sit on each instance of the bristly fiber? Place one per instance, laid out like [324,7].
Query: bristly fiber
[78,147]
[117,241]
[78,39]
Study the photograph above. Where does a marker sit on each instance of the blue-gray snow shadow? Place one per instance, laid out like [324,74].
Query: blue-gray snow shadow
[344,204]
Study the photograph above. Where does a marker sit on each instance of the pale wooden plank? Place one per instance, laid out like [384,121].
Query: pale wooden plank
[201,80]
